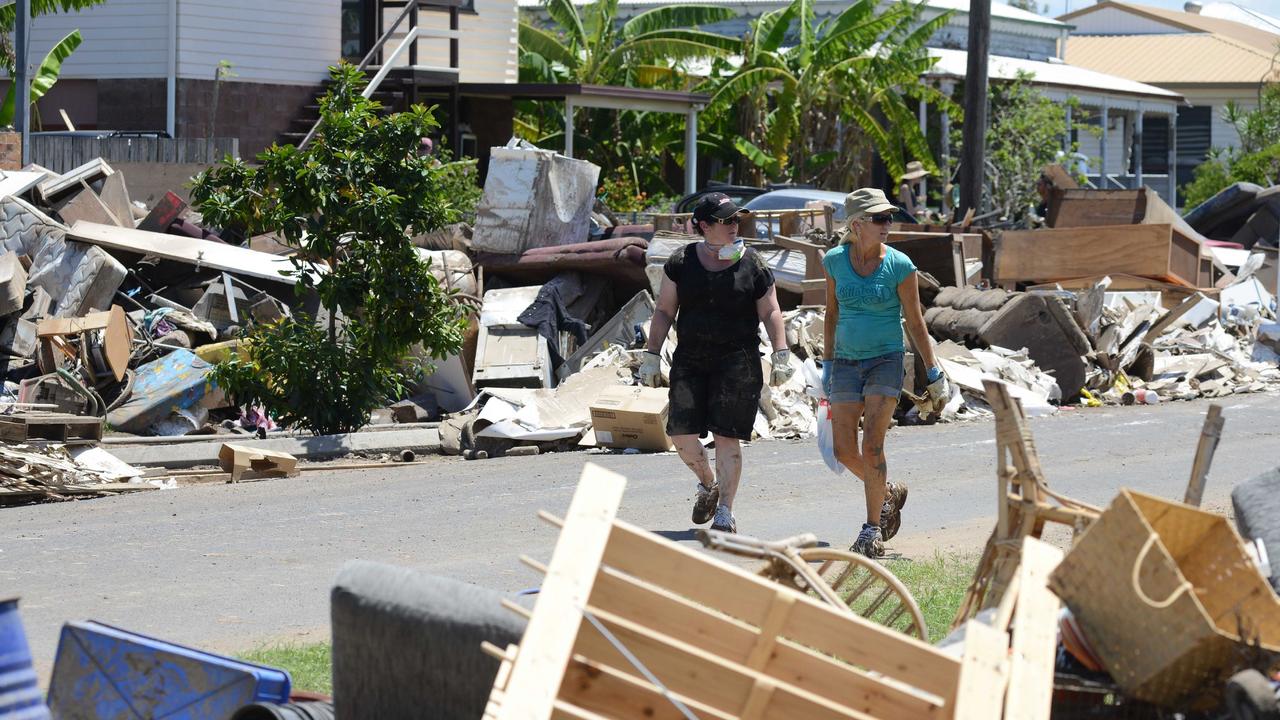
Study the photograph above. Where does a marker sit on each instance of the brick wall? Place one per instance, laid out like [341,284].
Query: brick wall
[254,112]
[10,151]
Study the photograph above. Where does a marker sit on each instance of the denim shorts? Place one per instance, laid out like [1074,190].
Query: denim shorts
[852,380]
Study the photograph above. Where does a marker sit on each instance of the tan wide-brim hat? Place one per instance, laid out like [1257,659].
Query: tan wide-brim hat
[915,169]
[866,201]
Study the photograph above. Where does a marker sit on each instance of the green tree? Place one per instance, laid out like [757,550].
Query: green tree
[1256,160]
[9,16]
[347,202]
[1025,135]
[814,107]
[590,44]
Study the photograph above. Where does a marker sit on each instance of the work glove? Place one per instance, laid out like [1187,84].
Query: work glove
[939,389]
[782,370]
[827,366]
[651,369]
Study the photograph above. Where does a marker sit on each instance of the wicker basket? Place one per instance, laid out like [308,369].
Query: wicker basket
[1168,598]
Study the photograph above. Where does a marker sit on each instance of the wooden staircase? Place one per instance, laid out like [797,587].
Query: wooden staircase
[397,87]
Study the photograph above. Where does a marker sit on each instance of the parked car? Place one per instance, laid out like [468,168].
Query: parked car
[797,198]
[740,194]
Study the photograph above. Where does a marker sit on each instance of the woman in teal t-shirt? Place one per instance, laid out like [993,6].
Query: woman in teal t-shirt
[871,289]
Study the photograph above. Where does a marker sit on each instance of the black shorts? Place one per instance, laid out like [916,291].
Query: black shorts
[718,394]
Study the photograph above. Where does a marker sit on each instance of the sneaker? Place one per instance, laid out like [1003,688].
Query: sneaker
[868,542]
[891,511]
[705,504]
[725,521]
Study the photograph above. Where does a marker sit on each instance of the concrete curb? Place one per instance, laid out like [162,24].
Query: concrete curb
[322,447]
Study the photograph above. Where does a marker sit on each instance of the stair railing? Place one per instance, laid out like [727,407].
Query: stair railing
[410,43]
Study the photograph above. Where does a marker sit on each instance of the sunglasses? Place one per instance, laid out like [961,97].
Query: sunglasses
[880,219]
[723,221]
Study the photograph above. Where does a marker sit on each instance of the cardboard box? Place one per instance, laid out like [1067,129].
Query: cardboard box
[631,417]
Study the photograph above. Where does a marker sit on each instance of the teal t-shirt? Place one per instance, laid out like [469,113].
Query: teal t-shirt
[870,322]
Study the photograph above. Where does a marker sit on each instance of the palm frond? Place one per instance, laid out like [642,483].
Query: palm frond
[566,16]
[675,17]
[536,40]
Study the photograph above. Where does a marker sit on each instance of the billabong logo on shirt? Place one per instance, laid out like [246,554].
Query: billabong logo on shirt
[864,294]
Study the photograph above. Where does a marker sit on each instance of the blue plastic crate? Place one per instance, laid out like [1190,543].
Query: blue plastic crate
[105,673]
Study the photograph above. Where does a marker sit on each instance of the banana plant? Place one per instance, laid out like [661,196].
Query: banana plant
[9,16]
[811,105]
[45,77]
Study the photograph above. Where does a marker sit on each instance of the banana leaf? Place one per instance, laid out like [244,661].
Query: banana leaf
[45,77]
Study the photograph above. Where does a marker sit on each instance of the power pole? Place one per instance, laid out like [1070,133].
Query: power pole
[22,79]
[975,108]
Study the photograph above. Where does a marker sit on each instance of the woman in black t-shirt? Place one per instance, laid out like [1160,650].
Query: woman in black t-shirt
[723,291]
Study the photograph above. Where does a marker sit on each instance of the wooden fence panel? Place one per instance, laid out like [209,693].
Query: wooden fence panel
[62,153]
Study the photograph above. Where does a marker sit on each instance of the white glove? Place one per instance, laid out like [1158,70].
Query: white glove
[651,369]
[939,390]
[782,370]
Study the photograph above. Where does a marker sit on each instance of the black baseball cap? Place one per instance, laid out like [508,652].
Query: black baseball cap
[716,206]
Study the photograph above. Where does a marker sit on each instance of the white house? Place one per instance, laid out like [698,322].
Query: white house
[153,64]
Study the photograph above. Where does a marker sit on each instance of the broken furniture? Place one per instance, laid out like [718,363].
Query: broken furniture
[509,353]
[840,578]
[100,342]
[433,626]
[942,255]
[630,625]
[1024,501]
[1154,251]
[1169,600]
[621,259]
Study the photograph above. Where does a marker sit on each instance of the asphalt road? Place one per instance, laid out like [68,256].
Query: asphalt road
[230,567]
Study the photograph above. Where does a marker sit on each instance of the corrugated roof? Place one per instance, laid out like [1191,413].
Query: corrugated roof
[954,63]
[1174,59]
[998,9]
[1190,22]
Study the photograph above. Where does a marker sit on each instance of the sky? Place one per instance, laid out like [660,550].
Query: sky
[1058,7]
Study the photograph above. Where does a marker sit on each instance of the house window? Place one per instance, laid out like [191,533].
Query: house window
[354,26]
[1194,139]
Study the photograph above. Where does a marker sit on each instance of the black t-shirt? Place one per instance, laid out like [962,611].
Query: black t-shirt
[717,309]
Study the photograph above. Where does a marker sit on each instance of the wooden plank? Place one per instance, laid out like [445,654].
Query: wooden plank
[1043,255]
[1087,208]
[1035,635]
[984,672]
[595,687]
[686,669]
[739,594]
[205,253]
[87,206]
[1208,445]
[546,647]
[735,640]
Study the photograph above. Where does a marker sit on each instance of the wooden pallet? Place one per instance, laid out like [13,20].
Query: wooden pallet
[58,427]
[630,625]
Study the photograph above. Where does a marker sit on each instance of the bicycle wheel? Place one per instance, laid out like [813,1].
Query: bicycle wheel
[868,590]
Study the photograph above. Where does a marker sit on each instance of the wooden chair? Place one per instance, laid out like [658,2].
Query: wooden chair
[1025,504]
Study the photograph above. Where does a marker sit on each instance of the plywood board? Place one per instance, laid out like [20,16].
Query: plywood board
[115,196]
[1043,255]
[939,254]
[89,207]
[205,253]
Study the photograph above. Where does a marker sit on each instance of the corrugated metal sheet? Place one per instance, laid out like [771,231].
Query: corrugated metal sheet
[1067,75]
[1169,59]
[1187,22]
